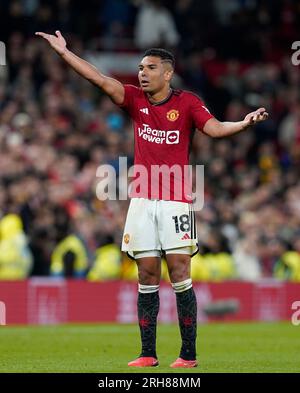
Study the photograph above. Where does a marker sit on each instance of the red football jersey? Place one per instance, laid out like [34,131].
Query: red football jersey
[163,133]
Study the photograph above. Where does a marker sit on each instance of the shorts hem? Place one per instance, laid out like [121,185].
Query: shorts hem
[162,250]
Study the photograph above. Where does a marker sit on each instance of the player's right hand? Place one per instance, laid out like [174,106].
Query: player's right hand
[57,42]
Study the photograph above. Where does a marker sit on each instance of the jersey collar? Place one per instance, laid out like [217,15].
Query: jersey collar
[163,101]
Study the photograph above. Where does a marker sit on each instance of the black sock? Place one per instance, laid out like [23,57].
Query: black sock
[148,306]
[187,315]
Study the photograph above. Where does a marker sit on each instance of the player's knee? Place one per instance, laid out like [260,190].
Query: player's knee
[179,271]
[148,276]
[178,276]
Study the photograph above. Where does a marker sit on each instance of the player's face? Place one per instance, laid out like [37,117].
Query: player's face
[154,74]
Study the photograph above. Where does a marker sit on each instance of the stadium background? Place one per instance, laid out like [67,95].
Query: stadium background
[56,129]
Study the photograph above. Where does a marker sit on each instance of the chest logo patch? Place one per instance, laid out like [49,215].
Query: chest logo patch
[173,115]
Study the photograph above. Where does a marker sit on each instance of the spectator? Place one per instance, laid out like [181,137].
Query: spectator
[107,264]
[69,258]
[247,261]
[155,26]
[15,256]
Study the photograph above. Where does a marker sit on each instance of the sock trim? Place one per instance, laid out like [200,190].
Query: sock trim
[148,288]
[182,285]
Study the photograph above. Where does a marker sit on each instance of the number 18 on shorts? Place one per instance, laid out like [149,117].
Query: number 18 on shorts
[159,225]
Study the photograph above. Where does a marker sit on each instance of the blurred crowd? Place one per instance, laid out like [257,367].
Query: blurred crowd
[56,129]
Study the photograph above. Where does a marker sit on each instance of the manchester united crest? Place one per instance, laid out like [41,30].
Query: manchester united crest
[126,238]
[173,115]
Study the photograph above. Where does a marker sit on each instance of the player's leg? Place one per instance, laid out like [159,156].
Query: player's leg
[179,262]
[149,272]
[141,242]
[178,236]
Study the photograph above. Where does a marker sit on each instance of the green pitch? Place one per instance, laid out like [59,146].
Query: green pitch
[252,347]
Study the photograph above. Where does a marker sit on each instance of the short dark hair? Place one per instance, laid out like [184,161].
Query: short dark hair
[162,53]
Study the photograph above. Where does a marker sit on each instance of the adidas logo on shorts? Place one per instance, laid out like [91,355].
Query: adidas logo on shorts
[186,237]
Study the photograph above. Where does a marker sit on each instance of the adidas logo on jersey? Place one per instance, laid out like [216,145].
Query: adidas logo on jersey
[145,110]
[186,237]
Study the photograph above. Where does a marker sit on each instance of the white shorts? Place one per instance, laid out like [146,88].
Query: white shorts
[157,225]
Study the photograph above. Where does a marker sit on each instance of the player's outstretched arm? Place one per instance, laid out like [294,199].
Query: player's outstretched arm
[110,86]
[218,129]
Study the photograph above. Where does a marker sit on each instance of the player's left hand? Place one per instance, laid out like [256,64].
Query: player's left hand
[256,117]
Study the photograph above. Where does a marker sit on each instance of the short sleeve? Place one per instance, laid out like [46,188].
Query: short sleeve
[130,93]
[199,111]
